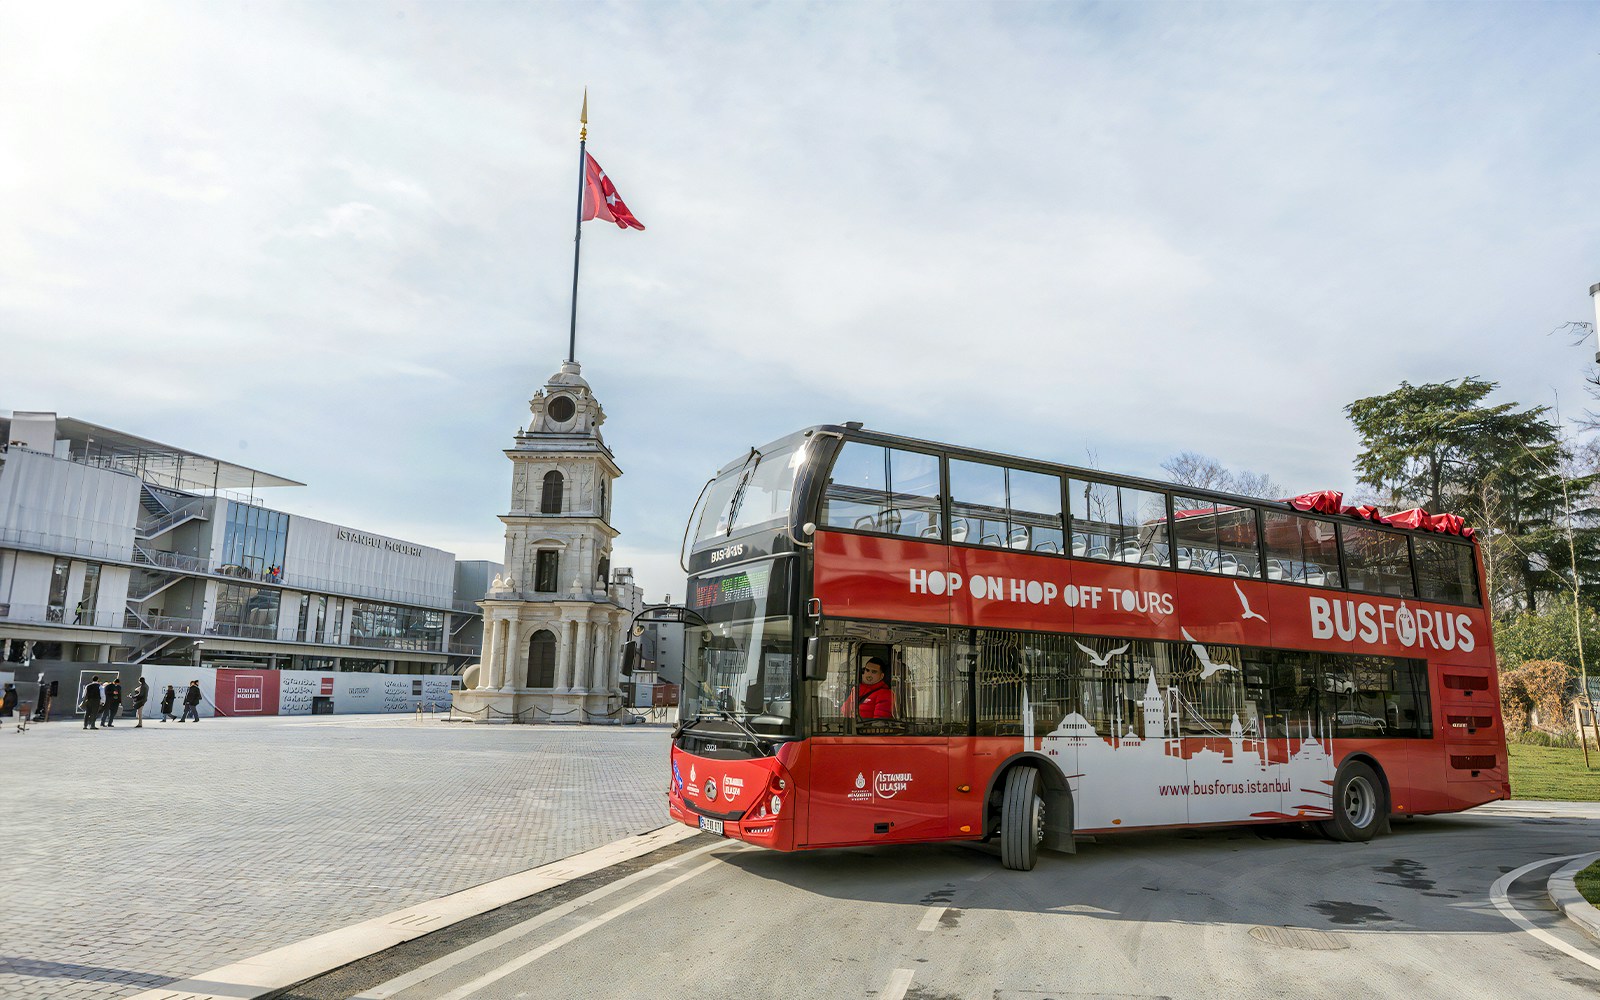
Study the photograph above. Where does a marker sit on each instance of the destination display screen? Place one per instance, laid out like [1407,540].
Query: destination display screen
[757,589]
[750,583]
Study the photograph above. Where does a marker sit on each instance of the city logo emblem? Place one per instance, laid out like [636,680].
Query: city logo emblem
[692,778]
[860,792]
[711,789]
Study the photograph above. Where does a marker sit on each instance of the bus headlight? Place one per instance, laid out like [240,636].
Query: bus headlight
[775,805]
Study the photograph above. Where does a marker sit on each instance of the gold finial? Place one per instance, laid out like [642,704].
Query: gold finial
[583,117]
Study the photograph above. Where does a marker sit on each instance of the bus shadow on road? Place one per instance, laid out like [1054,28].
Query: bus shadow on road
[1428,875]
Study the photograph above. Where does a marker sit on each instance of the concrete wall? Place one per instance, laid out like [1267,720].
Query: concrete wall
[79,509]
[330,556]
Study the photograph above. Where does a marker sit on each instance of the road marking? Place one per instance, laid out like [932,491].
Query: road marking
[470,989]
[899,982]
[930,920]
[425,972]
[1497,896]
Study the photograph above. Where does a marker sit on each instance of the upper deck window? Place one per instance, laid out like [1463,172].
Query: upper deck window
[1005,508]
[1445,571]
[1378,562]
[1215,538]
[1301,549]
[1119,523]
[887,490]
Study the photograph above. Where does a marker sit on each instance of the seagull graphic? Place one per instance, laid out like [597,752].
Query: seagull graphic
[1248,614]
[1101,661]
[1205,657]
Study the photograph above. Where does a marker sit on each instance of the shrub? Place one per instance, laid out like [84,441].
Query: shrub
[1534,697]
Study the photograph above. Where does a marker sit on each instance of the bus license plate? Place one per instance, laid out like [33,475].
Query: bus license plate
[710,825]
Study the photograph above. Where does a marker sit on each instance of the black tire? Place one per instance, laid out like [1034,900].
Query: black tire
[1021,820]
[1359,805]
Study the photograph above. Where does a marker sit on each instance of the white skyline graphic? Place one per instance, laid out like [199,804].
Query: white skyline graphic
[1163,778]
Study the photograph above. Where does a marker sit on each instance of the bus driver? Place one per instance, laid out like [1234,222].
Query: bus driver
[872,698]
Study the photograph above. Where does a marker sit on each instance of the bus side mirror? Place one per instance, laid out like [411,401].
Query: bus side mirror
[630,657]
[816,670]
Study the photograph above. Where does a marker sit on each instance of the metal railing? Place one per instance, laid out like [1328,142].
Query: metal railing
[191,511]
[415,644]
[50,614]
[171,560]
[40,541]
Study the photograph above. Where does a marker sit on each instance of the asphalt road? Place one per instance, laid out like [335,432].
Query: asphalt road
[1239,912]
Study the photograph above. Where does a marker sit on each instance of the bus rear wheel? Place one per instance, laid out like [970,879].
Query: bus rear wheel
[1358,804]
[1021,820]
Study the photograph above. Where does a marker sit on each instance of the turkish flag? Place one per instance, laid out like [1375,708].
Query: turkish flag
[600,198]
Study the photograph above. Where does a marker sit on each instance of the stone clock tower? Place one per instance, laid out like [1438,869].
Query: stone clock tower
[552,626]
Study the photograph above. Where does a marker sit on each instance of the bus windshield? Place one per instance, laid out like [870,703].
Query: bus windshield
[755,493]
[739,656]
[744,668]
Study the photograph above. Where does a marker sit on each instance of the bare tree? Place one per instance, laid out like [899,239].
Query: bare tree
[1204,472]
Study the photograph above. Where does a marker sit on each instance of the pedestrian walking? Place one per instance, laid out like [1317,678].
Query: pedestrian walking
[89,702]
[167,701]
[112,702]
[8,701]
[141,694]
[191,702]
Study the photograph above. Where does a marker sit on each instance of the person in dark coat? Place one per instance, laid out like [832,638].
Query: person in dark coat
[113,702]
[141,694]
[191,702]
[167,701]
[90,702]
[8,701]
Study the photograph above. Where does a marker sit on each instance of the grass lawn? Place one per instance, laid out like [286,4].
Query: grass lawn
[1554,773]
[1589,883]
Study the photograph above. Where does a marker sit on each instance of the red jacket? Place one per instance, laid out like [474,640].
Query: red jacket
[875,701]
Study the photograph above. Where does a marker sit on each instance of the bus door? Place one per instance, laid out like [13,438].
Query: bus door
[880,773]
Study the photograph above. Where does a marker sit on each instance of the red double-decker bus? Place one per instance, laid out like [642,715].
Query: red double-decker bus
[895,641]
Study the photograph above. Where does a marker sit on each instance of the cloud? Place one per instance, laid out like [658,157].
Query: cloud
[344,233]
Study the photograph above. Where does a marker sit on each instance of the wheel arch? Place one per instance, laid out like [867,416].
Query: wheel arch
[1363,757]
[1059,811]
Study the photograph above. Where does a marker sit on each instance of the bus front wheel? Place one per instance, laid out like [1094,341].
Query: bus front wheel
[1021,820]
[1358,804]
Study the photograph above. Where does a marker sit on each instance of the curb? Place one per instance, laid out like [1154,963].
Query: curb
[1564,894]
[277,970]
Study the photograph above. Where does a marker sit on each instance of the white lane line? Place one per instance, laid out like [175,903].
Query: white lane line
[899,982]
[425,972]
[1497,896]
[930,920]
[462,992]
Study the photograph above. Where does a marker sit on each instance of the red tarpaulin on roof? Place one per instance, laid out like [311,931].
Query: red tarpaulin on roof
[1416,519]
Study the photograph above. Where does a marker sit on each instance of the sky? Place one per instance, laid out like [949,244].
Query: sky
[333,241]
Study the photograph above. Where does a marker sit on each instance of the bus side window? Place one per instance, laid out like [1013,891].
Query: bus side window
[828,695]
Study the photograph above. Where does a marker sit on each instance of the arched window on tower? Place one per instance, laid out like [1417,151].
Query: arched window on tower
[547,568]
[602,510]
[542,659]
[605,570]
[550,500]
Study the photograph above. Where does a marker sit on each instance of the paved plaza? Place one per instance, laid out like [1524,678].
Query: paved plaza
[135,857]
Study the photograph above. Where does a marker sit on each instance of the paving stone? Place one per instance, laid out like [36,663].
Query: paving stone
[138,857]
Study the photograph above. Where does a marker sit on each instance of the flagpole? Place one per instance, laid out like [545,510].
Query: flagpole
[577,238]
